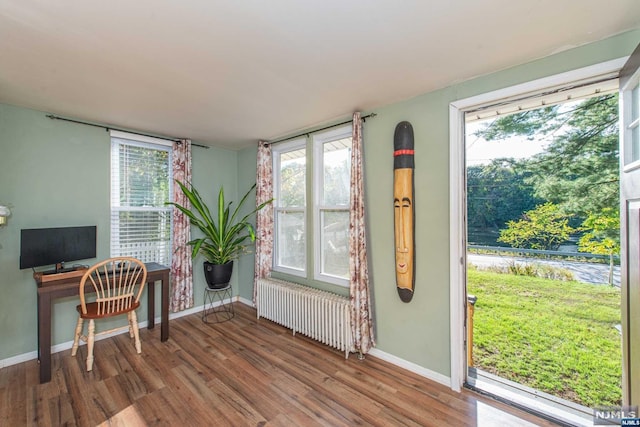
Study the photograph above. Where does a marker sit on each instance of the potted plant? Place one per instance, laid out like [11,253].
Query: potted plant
[223,239]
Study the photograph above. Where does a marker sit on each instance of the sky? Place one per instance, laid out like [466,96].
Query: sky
[480,151]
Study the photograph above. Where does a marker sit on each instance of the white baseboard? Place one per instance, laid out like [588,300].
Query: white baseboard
[25,357]
[409,366]
[246,301]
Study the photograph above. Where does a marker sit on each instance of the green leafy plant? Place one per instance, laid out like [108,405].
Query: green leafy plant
[602,236]
[224,238]
[544,227]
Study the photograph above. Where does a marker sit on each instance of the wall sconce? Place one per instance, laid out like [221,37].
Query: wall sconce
[4,214]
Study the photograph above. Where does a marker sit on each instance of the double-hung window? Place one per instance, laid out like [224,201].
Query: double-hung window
[313,243]
[140,187]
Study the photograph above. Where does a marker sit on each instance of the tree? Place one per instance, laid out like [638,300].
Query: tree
[544,227]
[497,193]
[579,169]
[602,236]
[293,175]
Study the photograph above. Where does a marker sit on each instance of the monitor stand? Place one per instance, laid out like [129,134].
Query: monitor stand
[60,268]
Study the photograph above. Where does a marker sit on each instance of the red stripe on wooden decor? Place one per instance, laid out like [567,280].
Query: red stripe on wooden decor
[403,152]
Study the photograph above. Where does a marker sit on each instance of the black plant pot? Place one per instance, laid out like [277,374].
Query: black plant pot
[218,275]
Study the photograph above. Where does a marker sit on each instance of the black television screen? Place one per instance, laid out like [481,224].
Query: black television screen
[48,246]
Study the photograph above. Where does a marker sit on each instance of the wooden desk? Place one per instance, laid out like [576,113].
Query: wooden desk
[49,291]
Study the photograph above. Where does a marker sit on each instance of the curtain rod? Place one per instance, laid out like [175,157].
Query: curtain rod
[364,119]
[108,128]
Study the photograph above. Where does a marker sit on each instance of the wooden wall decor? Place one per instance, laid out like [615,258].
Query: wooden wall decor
[403,207]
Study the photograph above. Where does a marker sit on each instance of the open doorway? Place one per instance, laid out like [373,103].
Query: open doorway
[543,244]
[539,361]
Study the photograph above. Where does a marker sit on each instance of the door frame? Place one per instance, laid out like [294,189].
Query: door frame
[457,196]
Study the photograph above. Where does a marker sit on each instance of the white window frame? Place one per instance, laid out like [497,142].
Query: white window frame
[318,207]
[140,141]
[630,124]
[314,155]
[277,151]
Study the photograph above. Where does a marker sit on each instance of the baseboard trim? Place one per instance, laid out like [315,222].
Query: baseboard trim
[246,302]
[410,366]
[25,357]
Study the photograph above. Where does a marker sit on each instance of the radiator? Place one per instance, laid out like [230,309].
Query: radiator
[323,316]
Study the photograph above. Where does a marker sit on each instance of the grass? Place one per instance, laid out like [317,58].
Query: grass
[557,337]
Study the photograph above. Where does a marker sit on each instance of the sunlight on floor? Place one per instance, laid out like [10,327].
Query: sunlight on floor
[128,417]
[490,416]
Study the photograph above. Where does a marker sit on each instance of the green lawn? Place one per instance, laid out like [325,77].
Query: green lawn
[557,337]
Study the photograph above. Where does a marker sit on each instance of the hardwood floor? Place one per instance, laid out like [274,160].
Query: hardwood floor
[242,372]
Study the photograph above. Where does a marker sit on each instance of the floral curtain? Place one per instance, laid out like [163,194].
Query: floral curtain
[181,264]
[360,294]
[264,217]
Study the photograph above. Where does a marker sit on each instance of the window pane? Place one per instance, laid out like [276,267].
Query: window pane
[143,176]
[335,243]
[140,186]
[291,240]
[142,234]
[336,172]
[292,183]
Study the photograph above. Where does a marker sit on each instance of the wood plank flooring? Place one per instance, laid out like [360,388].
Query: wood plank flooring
[243,372]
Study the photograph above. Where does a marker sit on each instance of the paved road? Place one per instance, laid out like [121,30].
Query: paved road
[582,271]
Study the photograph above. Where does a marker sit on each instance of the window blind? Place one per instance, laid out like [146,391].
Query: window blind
[140,187]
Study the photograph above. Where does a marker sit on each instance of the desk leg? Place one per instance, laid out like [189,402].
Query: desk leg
[164,328]
[151,304]
[44,337]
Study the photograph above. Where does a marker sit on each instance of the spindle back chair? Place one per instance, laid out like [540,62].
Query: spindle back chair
[114,287]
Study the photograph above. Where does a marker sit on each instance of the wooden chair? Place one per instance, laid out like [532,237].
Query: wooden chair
[117,284]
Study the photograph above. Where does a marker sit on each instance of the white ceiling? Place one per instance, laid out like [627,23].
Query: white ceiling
[228,73]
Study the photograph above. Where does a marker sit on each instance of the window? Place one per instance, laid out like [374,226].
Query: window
[632,127]
[140,186]
[290,174]
[327,240]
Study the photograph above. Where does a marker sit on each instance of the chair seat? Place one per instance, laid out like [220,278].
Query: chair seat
[92,311]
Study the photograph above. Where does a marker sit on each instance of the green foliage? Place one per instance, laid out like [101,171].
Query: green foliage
[603,233]
[146,169]
[497,193]
[602,236]
[544,227]
[225,239]
[554,336]
[579,169]
[527,123]
[293,190]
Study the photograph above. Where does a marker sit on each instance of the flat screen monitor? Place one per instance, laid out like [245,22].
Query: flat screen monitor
[55,246]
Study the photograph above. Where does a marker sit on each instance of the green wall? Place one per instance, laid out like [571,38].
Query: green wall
[55,173]
[419,331]
[246,178]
